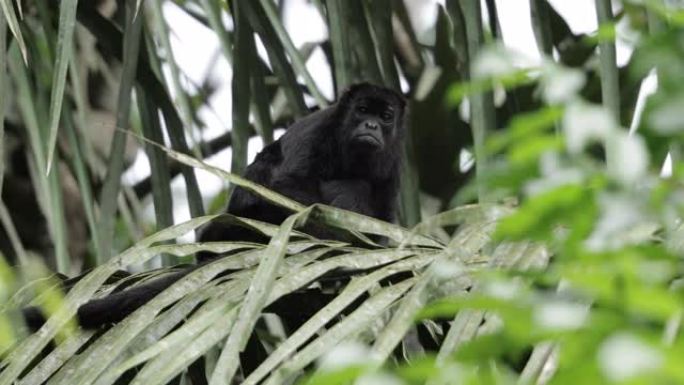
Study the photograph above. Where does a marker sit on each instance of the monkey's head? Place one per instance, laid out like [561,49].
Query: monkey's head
[369,131]
[373,118]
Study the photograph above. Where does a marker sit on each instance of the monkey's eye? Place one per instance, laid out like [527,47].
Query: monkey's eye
[362,109]
[387,116]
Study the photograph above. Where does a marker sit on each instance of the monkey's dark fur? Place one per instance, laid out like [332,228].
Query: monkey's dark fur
[347,155]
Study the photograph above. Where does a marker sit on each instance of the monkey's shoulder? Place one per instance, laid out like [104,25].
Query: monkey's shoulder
[272,154]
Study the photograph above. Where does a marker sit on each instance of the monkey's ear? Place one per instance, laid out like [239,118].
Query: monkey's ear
[401,99]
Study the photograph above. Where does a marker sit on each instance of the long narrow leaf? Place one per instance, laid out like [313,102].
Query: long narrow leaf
[174,124]
[410,305]
[11,18]
[379,18]
[159,170]
[409,191]
[481,105]
[460,40]
[149,344]
[493,14]
[83,156]
[57,220]
[467,322]
[213,11]
[371,310]
[162,369]
[610,85]
[163,33]
[333,309]
[12,234]
[83,291]
[276,56]
[242,52]
[201,319]
[539,359]
[100,354]
[109,38]
[57,358]
[256,297]
[363,44]
[112,184]
[295,56]
[260,101]
[339,39]
[407,41]
[65,42]
[168,364]
[541,26]
[3,91]
[48,190]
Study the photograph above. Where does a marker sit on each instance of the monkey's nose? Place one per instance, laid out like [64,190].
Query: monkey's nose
[372,125]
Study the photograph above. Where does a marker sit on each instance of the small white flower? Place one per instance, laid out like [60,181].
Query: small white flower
[560,315]
[344,355]
[624,356]
[493,61]
[654,272]
[499,95]
[619,215]
[667,118]
[584,123]
[466,160]
[464,109]
[378,379]
[553,175]
[444,270]
[560,84]
[505,290]
[627,157]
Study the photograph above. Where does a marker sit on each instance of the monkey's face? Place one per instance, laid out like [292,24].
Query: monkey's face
[372,123]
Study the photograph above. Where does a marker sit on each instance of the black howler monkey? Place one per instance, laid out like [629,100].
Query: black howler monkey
[347,155]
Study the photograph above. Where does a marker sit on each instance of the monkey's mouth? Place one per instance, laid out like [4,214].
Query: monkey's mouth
[368,140]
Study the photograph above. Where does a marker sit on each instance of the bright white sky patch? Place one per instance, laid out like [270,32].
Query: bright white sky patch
[580,14]
[516,27]
[193,44]
[303,10]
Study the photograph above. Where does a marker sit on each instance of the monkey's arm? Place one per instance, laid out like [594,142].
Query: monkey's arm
[301,189]
[349,194]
